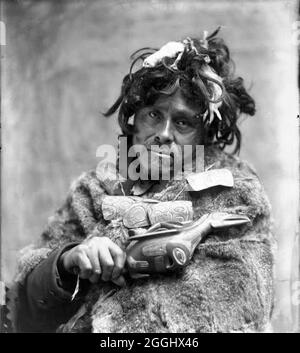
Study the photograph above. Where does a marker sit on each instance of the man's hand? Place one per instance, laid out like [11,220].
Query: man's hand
[97,258]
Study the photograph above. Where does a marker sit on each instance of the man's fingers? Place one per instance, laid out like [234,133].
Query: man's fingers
[119,258]
[99,258]
[95,278]
[96,268]
[84,265]
[120,281]
[107,263]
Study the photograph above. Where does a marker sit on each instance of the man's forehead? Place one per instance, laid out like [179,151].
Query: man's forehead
[177,102]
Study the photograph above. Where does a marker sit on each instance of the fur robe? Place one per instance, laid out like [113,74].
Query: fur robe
[228,286]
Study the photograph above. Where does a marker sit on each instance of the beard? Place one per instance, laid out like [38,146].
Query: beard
[159,162]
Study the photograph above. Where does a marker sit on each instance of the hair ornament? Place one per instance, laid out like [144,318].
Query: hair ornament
[169,50]
[176,50]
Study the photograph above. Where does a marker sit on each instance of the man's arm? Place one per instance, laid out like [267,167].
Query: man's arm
[47,295]
[40,297]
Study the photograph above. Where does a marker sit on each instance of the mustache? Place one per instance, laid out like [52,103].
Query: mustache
[168,150]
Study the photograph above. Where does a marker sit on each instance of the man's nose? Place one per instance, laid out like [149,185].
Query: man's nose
[165,134]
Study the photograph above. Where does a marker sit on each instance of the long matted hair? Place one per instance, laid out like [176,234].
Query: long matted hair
[142,87]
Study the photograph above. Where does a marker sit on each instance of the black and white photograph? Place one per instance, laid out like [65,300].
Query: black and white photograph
[150,169]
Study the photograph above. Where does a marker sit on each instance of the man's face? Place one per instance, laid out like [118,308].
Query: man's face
[171,122]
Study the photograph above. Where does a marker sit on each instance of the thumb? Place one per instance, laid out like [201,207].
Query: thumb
[120,281]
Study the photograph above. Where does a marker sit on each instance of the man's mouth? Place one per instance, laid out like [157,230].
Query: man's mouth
[160,153]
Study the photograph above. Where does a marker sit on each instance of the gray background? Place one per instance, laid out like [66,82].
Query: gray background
[62,65]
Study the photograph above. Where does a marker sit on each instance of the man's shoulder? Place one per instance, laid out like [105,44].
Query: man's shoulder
[216,158]
[100,178]
[83,179]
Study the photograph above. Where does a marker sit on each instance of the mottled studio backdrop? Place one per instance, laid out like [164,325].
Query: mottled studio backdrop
[62,65]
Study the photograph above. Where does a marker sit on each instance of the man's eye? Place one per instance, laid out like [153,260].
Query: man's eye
[153,115]
[182,123]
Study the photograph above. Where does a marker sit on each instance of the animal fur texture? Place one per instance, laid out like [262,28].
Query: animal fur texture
[227,287]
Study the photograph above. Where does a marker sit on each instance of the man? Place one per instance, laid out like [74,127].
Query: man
[185,94]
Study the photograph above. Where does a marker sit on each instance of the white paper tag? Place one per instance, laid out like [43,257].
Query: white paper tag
[76,289]
[210,178]
[141,188]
